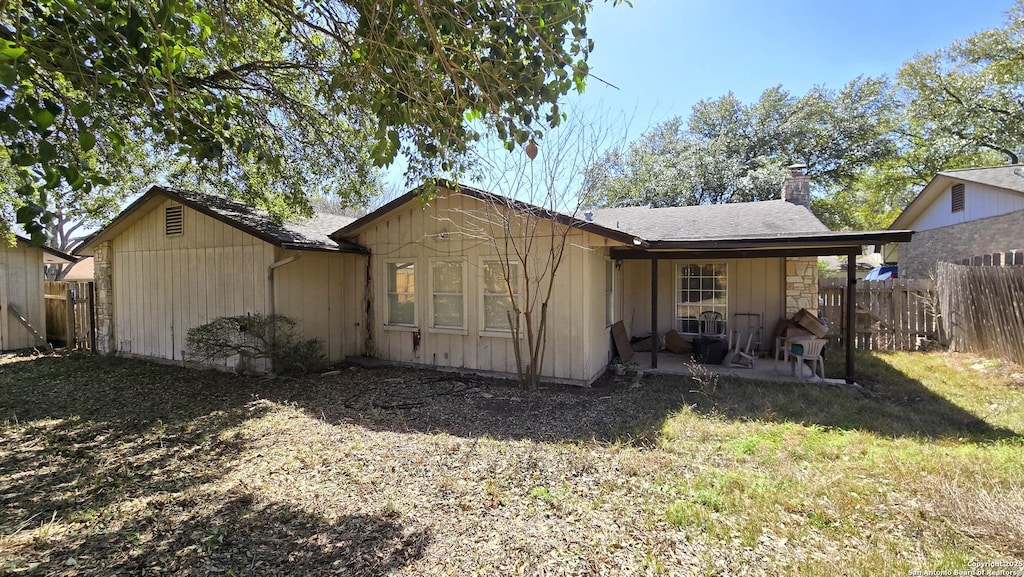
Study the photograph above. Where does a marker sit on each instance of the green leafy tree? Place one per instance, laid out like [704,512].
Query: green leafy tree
[971,94]
[276,99]
[727,151]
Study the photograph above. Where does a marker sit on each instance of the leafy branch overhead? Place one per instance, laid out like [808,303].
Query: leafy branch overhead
[281,99]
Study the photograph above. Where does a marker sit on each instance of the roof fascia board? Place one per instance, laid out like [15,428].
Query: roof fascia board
[48,250]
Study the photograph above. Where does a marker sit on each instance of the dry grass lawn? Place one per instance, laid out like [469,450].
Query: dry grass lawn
[112,466]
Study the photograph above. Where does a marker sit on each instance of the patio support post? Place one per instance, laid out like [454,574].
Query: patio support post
[654,312]
[851,312]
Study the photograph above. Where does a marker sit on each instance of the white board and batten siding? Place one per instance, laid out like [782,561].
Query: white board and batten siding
[165,284]
[21,284]
[324,293]
[449,228]
[980,202]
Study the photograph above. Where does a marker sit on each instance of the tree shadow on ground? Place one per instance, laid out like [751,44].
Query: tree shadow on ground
[107,466]
[84,433]
[242,536]
[612,411]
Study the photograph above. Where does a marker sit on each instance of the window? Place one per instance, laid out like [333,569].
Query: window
[401,293]
[958,198]
[174,220]
[497,301]
[448,309]
[701,288]
[609,292]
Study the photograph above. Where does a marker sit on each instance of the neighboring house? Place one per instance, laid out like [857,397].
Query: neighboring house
[420,283]
[21,292]
[962,214]
[174,260]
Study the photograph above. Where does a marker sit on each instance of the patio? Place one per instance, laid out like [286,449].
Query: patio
[763,370]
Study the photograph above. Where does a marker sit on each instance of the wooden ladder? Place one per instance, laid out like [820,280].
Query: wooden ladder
[21,318]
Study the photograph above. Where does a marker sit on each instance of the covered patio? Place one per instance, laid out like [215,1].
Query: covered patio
[763,370]
[784,246]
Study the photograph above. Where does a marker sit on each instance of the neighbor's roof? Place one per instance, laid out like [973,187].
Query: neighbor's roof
[741,220]
[307,234]
[83,270]
[1005,178]
[50,255]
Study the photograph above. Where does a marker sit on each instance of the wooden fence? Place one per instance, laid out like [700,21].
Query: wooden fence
[896,314]
[982,309]
[69,314]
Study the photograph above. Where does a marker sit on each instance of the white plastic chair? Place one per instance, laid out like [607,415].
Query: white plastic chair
[812,349]
[741,357]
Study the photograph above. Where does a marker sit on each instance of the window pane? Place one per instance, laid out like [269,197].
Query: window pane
[448,311]
[494,277]
[496,309]
[701,288]
[401,277]
[447,277]
[401,309]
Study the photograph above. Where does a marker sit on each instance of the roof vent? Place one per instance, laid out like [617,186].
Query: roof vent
[174,220]
[588,215]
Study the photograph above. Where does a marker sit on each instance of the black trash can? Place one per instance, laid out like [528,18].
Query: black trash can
[709,351]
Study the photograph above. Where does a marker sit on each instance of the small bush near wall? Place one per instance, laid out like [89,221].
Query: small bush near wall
[252,338]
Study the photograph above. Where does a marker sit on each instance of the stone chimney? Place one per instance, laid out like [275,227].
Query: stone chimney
[796,188]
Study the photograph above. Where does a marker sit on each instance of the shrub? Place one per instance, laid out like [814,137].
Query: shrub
[255,337]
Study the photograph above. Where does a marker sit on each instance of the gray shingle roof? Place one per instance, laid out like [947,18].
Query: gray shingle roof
[311,233]
[746,220]
[1001,176]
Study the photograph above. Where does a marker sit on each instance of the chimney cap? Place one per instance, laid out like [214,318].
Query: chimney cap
[797,169]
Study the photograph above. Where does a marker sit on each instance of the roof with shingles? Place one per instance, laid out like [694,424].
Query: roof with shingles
[1008,178]
[311,232]
[298,234]
[742,220]
[1001,176]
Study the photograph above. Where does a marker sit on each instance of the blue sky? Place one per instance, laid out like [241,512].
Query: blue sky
[665,56]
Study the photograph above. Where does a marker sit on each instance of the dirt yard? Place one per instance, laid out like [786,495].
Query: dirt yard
[112,466]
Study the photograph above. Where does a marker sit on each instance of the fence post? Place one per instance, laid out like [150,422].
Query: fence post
[92,316]
[851,308]
[69,304]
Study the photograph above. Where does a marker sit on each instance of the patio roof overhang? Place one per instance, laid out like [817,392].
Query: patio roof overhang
[826,244]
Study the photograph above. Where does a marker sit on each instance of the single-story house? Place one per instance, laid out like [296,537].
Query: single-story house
[428,283]
[21,293]
[653,269]
[174,260]
[972,215]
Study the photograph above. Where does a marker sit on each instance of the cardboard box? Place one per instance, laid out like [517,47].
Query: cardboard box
[808,321]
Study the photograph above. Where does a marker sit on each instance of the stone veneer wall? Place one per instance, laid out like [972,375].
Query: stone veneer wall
[953,243]
[103,267]
[801,284]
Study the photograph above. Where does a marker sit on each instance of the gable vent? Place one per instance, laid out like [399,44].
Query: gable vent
[174,220]
[958,198]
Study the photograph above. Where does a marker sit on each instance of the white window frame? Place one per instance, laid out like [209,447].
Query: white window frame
[484,329]
[415,290]
[678,319]
[465,310]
